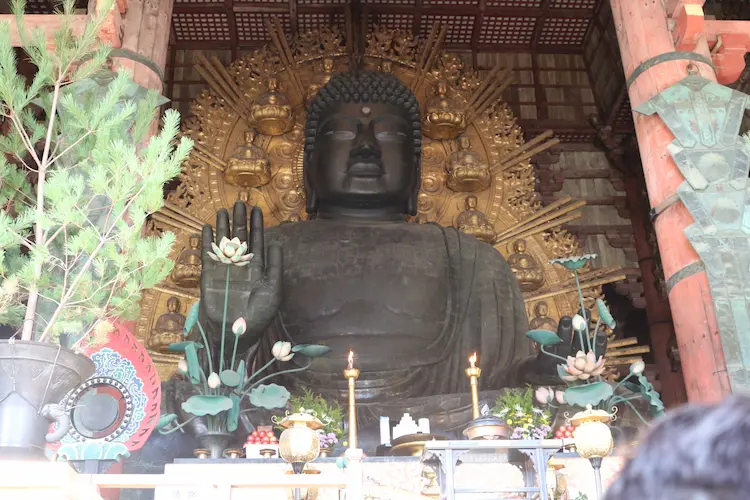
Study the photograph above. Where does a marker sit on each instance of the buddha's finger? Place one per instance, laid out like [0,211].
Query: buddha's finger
[239,220]
[206,239]
[256,235]
[274,266]
[222,225]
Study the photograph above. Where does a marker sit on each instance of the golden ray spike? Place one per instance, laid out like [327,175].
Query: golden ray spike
[205,152]
[431,51]
[571,289]
[491,100]
[164,214]
[526,146]
[642,349]
[544,211]
[183,212]
[516,160]
[177,291]
[541,228]
[549,217]
[423,55]
[278,38]
[621,361]
[219,86]
[614,344]
[484,86]
[241,99]
[208,160]
[225,83]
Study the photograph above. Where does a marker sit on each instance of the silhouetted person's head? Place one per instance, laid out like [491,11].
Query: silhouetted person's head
[695,453]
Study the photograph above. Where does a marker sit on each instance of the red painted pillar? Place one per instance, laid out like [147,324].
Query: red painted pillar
[643,33]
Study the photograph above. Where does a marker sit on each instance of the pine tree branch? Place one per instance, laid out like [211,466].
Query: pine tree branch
[67,296]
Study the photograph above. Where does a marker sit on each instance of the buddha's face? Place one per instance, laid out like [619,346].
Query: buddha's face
[520,246]
[364,157]
[195,242]
[471,202]
[541,309]
[173,305]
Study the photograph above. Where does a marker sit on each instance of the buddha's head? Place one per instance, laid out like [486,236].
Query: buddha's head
[194,241]
[173,304]
[363,142]
[464,142]
[471,202]
[441,89]
[328,65]
[250,136]
[519,246]
[541,309]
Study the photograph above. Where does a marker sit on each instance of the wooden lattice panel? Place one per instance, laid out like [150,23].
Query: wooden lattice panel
[309,21]
[201,27]
[321,2]
[624,116]
[577,136]
[461,3]
[395,21]
[251,28]
[564,31]
[459,28]
[533,4]
[510,30]
[573,4]
[390,2]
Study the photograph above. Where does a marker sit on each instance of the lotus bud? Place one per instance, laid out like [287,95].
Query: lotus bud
[637,367]
[214,381]
[282,351]
[560,397]
[579,324]
[543,395]
[182,366]
[239,327]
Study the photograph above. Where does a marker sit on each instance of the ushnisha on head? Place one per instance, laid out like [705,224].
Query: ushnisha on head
[363,143]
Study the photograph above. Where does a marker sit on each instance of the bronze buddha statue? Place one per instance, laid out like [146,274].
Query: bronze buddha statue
[169,327]
[413,301]
[474,222]
[187,269]
[526,268]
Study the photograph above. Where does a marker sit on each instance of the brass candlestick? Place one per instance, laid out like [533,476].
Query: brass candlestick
[473,372]
[352,374]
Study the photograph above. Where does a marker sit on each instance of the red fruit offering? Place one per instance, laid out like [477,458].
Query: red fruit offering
[558,435]
[254,433]
[562,428]
[568,434]
[270,434]
[571,428]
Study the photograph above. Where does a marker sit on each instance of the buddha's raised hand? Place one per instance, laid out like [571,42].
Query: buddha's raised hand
[254,285]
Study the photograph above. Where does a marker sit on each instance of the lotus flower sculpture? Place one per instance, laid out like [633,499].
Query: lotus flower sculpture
[230,252]
[583,366]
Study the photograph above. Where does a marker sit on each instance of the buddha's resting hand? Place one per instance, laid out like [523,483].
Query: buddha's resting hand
[255,289]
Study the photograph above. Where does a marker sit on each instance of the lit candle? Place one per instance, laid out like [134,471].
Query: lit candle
[473,372]
[352,374]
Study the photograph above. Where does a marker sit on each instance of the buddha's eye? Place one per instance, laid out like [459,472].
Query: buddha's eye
[340,135]
[390,136]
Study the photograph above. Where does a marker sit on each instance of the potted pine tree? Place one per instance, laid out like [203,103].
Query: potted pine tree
[77,182]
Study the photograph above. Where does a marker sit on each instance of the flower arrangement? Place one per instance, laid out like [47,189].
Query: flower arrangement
[516,407]
[220,390]
[583,372]
[330,414]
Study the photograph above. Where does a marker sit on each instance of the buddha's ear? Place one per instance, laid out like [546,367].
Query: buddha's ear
[411,202]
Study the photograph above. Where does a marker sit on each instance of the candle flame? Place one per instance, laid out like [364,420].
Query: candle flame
[351,359]
[473,360]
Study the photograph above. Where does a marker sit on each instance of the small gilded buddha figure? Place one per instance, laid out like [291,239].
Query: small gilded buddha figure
[271,113]
[187,269]
[466,170]
[386,66]
[472,221]
[527,270]
[320,79]
[248,167]
[169,328]
[541,319]
[443,119]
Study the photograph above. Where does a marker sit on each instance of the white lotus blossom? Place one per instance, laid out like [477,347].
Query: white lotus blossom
[230,252]
[282,351]
[214,381]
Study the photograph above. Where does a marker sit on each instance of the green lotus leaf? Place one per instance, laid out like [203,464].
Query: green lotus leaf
[573,263]
[181,346]
[230,378]
[342,462]
[604,314]
[165,420]
[192,318]
[194,366]
[201,405]
[233,415]
[311,350]
[588,394]
[543,337]
[269,396]
[653,397]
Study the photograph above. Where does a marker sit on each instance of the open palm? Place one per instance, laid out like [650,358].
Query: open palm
[253,291]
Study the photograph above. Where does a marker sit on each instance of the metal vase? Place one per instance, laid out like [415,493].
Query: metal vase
[215,442]
[33,374]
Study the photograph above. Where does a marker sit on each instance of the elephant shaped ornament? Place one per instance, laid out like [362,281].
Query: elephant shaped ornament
[112,413]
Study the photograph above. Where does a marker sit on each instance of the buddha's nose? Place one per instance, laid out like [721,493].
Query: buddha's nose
[366,146]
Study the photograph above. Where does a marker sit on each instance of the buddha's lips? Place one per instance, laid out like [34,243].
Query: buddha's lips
[365,169]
